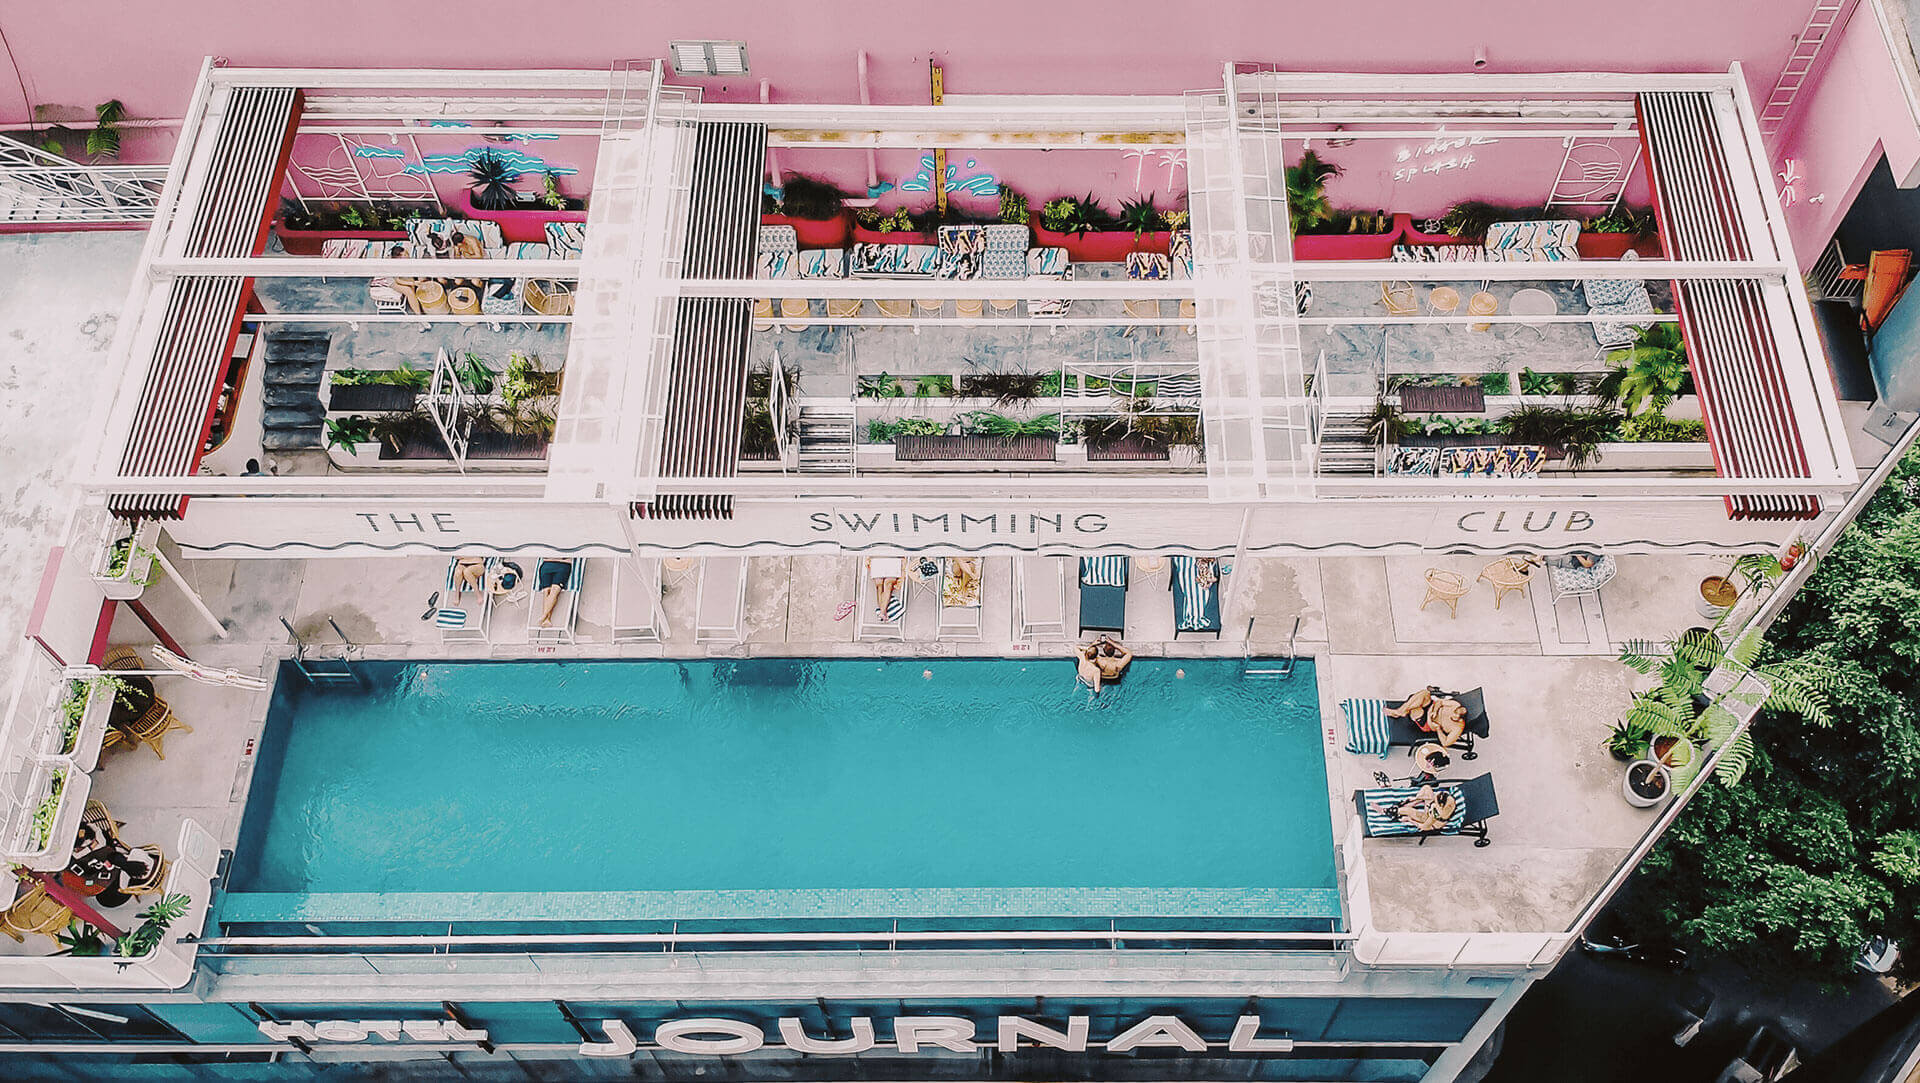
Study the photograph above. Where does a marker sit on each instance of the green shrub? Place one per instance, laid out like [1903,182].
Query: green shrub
[1656,429]
[1495,383]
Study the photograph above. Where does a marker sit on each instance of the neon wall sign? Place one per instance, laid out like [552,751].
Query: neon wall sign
[913,1034]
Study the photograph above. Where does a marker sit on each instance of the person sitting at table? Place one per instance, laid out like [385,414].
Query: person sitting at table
[552,579]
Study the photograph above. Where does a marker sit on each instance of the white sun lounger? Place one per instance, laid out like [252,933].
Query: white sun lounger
[1039,597]
[638,616]
[566,612]
[722,599]
[464,619]
[960,610]
[873,624]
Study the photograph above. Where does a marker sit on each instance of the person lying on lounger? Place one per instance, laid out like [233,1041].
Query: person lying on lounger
[1434,713]
[1105,659]
[469,573]
[1428,810]
[552,579]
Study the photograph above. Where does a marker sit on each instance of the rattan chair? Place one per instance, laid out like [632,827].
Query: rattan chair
[1508,575]
[150,729]
[763,314]
[548,298]
[898,310]
[154,880]
[1399,298]
[97,817]
[1482,304]
[36,912]
[1445,586]
[844,308]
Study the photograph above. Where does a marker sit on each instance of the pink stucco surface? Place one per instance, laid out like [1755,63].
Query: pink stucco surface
[1859,111]
[147,54]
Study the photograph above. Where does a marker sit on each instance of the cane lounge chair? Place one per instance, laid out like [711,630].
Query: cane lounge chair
[1474,804]
[1103,595]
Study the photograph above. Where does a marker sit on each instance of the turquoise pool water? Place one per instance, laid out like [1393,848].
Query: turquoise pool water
[788,788]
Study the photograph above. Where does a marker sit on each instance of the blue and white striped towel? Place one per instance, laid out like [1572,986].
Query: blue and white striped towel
[1103,571]
[1192,597]
[450,618]
[1383,819]
[1366,726]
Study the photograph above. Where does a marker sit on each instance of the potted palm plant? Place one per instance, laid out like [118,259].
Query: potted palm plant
[490,183]
[1307,204]
[1651,373]
[1087,230]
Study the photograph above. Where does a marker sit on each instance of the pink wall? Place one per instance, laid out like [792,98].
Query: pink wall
[1434,174]
[147,54]
[1859,110]
[1112,175]
[324,151]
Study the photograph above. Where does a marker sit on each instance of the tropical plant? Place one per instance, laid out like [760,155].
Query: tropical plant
[930,386]
[73,708]
[1004,388]
[1628,740]
[525,381]
[491,179]
[550,195]
[1469,219]
[1576,431]
[104,140]
[882,386]
[1495,383]
[1013,207]
[900,221]
[402,427]
[81,940]
[1546,383]
[154,922]
[1141,216]
[47,809]
[1622,219]
[477,376]
[521,417]
[124,552]
[1651,428]
[1307,204]
[54,138]
[1177,219]
[811,199]
[1652,371]
[758,438]
[1386,423]
[1678,706]
[349,432]
[1083,215]
[1002,427]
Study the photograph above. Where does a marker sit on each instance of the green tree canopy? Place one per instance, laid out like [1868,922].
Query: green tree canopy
[1819,850]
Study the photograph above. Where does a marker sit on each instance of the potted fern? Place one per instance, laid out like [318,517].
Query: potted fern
[1091,233]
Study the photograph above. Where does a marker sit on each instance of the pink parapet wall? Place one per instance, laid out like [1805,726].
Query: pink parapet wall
[76,55]
[1859,111]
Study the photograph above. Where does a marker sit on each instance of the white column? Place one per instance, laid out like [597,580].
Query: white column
[1455,1060]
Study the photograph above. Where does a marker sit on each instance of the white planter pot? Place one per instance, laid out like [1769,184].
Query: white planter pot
[1635,799]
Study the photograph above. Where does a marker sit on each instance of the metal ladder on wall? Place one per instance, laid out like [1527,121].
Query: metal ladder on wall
[1826,18]
[327,670]
[1285,669]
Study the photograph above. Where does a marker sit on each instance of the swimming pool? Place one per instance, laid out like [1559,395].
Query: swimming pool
[787,788]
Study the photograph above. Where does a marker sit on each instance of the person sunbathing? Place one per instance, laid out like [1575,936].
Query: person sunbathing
[469,573]
[1428,810]
[553,579]
[1103,660]
[1432,711]
[886,574]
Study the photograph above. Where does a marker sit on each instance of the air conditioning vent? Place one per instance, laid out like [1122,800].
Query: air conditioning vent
[708,57]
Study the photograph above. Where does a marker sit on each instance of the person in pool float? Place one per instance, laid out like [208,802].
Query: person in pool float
[551,580]
[1105,659]
[1434,712]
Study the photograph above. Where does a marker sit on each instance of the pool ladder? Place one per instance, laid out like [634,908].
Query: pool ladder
[323,670]
[1286,664]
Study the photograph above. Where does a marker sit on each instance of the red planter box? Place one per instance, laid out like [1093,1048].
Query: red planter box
[306,242]
[815,232]
[1405,233]
[1312,246]
[515,225]
[863,235]
[1111,246]
[1605,245]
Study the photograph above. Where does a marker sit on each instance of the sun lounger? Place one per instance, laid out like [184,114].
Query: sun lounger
[1404,731]
[874,624]
[566,611]
[638,616]
[1196,604]
[1039,597]
[1475,805]
[960,584]
[1103,595]
[721,599]
[464,619]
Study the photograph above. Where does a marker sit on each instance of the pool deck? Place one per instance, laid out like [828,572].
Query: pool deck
[1552,689]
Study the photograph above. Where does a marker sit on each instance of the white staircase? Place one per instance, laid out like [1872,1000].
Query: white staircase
[39,186]
[1346,448]
[1825,20]
[826,439]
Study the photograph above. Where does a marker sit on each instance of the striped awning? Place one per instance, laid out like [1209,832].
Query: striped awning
[1732,346]
[707,383]
[228,220]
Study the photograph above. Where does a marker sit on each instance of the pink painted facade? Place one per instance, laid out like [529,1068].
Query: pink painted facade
[147,55]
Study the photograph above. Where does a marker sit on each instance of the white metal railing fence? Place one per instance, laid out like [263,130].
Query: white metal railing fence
[38,186]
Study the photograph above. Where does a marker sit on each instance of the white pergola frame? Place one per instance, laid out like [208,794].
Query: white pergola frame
[1555,107]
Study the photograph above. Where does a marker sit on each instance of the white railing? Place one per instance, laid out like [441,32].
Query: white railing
[36,186]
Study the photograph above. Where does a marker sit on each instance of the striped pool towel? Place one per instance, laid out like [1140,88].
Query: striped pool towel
[896,607]
[1383,821]
[451,618]
[1366,726]
[1103,571]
